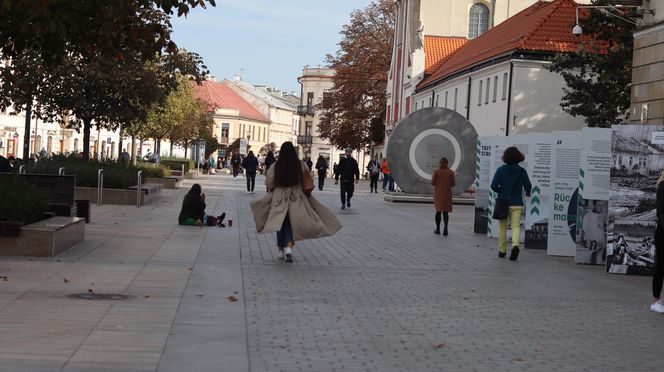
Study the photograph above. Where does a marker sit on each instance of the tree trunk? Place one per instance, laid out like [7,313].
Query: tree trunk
[171,152]
[185,151]
[133,149]
[87,123]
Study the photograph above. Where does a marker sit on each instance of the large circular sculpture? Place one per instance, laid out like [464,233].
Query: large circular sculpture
[421,139]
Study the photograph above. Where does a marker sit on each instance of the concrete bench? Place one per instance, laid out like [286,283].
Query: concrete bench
[150,192]
[46,238]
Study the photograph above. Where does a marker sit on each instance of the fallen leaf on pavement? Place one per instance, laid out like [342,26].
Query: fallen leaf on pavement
[190,268]
[232,298]
[90,290]
[439,346]
[146,296]
[517,360]
[4,278]
[66,280]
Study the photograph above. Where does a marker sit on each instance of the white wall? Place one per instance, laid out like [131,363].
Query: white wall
[535,99]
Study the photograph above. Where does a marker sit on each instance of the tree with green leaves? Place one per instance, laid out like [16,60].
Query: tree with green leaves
[354,109]
[598,75]
[105,62]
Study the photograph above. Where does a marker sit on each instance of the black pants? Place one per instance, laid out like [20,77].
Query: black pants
[446,219]
[346,188]
[321,180]
[374,182]
[251,181]
[658,276]
[236,170]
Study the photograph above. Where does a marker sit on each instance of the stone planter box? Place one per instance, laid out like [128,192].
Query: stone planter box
[115,196]
[167,182]
[46,238]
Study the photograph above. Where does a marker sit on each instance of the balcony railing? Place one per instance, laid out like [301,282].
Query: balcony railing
[304,140]
[305,110]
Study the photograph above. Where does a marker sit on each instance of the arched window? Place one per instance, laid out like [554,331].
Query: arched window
[478,20]
[76,145]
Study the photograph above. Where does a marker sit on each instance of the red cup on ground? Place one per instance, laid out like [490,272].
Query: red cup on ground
[230,223]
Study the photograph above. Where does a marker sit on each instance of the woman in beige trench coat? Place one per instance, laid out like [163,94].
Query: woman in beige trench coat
[443,182]
[287,210]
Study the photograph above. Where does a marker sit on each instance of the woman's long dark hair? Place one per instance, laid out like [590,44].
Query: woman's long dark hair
[288,168]
[195,189]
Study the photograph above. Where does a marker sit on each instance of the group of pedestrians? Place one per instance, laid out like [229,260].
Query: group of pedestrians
[510,183]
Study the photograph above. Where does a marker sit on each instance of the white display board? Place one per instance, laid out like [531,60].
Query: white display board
[538,206]
[593,200]
[566,161]
[482,182]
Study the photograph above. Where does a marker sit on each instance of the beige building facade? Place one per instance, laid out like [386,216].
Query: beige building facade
[283,117]
[647,95]
[315,82]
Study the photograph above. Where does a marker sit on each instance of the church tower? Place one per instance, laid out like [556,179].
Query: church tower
[427,32]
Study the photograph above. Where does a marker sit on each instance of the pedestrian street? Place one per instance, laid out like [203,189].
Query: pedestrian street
[383,294]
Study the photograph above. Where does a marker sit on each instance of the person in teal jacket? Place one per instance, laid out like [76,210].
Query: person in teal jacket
[509,182]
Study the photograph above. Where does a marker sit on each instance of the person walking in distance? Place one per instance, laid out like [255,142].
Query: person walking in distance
[347,170]
[269,160]
[321,167]
[443,182]
[509,182]
[250,165]
[235,163]
[387,176]
[374,171]
[658,277]
[289,209]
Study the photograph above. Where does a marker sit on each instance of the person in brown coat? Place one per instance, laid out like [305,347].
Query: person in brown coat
[442,181]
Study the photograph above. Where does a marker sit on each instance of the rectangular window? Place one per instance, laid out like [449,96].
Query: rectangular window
[479,95]
[437,97]
[495,88]
[488,85]
[504,86]
[416,103]
[446,98]
[310,99]
[224,132]
[308,127]
[456,91]
[429,102]
[407,105]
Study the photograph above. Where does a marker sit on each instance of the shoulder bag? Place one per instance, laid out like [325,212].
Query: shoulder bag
[307,182]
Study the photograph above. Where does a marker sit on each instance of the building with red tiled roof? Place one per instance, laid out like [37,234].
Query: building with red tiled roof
[500,81]
[234,117]
[426,34]
[437,49]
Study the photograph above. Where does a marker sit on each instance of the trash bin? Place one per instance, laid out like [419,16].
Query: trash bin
[83,209]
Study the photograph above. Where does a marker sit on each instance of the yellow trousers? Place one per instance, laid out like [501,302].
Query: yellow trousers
[515,219]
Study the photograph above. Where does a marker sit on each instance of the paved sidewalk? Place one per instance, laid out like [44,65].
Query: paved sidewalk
[384,294]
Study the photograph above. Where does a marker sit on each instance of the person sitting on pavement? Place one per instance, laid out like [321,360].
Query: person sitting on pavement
[192,212]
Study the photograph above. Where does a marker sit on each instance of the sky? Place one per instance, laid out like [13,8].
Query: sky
[267,42]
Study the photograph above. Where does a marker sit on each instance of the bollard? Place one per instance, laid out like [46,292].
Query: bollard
[61,171]
[21,169]
[182,174]
[100,186]
[139,189]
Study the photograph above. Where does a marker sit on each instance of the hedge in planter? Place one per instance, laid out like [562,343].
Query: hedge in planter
[116,175]
[21,201]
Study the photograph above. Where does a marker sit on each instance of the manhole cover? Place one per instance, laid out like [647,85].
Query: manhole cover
[99,296]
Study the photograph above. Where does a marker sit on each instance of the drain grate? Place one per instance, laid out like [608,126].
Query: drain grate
[99,296]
